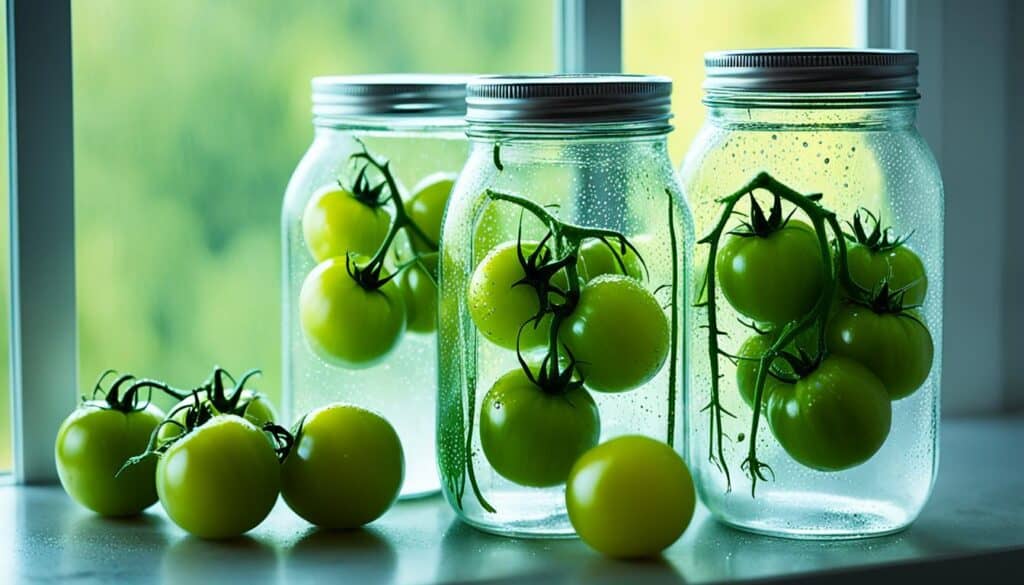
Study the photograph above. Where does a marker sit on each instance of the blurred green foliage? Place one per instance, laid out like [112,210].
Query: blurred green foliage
[191,115]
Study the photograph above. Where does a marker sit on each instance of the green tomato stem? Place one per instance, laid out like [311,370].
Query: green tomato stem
[823,221]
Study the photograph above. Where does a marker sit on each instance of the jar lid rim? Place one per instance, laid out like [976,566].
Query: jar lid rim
[394,94]
[811,70]
[568,98]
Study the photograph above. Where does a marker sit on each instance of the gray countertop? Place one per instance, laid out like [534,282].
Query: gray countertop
[973,525]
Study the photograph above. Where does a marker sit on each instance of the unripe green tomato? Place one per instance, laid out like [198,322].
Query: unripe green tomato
[93,443]
[345,468]
[531,437]
[426,209]
[630,497]
[346,324]
[900,267]
[773,279]
[598,258]
[221,479]
[420,294]
[499,306]
[618,334]
[335,223]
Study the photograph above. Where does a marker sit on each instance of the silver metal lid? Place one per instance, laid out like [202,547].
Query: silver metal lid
[389,95]
[560,99]
[811,70]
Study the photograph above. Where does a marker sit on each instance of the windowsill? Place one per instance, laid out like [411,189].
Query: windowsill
[973,526]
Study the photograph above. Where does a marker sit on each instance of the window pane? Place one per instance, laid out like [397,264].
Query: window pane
[6,461]
[670,37]
[189,118]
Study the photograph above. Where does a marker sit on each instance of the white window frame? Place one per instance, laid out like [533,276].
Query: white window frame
[43,326]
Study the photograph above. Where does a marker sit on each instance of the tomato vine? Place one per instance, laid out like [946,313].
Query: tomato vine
[369,275]
[835,273]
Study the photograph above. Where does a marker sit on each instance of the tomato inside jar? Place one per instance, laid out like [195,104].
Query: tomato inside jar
[567,249]
[819,322]
[362,221]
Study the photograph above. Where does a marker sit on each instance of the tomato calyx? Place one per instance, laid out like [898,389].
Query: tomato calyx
[887,301]
[130,400]
[540,267]
[877,239]
[365,192]
[760,225]
[371,276]
[199,405]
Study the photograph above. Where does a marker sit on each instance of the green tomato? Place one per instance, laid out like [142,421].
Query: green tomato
[630,497]
[618,334]
[499,306]
[597,259]
[93,443]
[773,279]
[426,209]
[746,370]
[420,294]
[754,347]
[346,324]
[220,480]
[897,347]
[335,223]
[900,265]
[345,468]
[256,408]
[531,437]
[834,418]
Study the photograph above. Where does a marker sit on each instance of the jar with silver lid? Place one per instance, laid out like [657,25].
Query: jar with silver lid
[361,223]
[817,346]
[564,257]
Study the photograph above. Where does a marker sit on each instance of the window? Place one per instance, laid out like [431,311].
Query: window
[189,119]
[6,462]
[670,37]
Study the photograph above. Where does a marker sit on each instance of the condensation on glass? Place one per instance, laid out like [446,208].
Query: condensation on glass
[834,132]
[415,123]
[548,153]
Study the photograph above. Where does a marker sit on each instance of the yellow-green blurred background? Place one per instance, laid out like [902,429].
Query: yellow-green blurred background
[190,116]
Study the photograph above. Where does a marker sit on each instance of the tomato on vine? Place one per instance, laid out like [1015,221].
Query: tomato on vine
[892,342]
[533,430]
[875,257]
[344,469]
[599,257]
[426,210]
[346,322]
[770,268]
[220,479]
[835,417]
[339,221]
[618,333]
[213,394]
[501,303]
[94,442]
[420,294]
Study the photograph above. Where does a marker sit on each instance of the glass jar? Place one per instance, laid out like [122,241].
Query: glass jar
[376,351]
[827,300]
[564,257]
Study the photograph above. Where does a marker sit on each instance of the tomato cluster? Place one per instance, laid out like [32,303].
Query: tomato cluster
[578,298]
[369,288]
[217,461]
[603,330]
[850,349]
